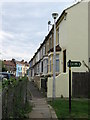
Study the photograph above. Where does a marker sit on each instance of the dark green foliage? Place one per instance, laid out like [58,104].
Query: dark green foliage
[14,98]
[4,69]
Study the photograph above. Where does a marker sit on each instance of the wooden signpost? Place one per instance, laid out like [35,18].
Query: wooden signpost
[71,64]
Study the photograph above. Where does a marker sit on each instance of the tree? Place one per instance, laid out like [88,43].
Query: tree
[86,65]
[3,68]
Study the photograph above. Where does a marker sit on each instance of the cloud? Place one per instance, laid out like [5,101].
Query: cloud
[16,46]
[4,35]
[24,27]
[22,52]
[37,1]
[19,55]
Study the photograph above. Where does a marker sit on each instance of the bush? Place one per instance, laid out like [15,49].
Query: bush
[12,81]
[15,103]
[61,96]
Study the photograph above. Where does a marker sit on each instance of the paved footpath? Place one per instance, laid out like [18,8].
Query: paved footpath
[41,109]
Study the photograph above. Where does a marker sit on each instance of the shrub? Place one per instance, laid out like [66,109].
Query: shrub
[61,96]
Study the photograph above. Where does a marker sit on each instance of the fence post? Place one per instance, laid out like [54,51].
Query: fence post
[69,86]
[26,90]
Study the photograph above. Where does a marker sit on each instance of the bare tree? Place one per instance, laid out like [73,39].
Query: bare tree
[86,65]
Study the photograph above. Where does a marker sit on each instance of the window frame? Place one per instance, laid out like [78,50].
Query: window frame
[57,66]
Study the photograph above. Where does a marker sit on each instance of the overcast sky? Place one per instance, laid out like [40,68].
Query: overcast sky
[24,26]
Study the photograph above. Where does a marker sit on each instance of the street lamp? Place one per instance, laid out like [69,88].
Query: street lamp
[54,15]
[49,23]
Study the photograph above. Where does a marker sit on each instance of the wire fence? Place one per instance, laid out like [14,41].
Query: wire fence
[14,99]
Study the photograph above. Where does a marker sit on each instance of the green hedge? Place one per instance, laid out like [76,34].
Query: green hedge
[14,98]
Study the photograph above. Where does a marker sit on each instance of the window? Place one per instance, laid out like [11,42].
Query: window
[42,66]
[38,69]
[18,68]
[50,42]
[57,56]
[50,64]
[57,63]
[44,50]
[47,46]
[58,36]
[45,66]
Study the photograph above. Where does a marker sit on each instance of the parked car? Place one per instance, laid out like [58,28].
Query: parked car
[5,75]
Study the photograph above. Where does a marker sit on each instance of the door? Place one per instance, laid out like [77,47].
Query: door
[64,61]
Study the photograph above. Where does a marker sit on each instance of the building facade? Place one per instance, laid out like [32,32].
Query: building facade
[18,69]
[72,43]
[10,66]
[21,68]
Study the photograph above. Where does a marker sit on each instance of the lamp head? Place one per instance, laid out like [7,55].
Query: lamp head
[49,22]
[54,15]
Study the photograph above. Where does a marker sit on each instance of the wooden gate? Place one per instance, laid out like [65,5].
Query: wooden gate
[80,84]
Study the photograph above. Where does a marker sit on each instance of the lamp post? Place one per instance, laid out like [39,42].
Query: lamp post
[49,23]
[54,15]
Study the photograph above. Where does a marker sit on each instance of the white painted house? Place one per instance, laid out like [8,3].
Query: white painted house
[74,39]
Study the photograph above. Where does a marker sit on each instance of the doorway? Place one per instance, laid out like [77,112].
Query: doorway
[64,61]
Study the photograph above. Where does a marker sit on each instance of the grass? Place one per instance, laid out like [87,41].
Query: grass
[79,108]
[27,109]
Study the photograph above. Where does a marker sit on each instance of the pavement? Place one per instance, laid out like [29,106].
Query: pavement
[41,109]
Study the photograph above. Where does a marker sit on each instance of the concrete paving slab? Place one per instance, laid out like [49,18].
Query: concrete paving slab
[41,109]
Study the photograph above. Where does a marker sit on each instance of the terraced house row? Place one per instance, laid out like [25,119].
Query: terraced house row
[72,43]
[42,62]
[18,68]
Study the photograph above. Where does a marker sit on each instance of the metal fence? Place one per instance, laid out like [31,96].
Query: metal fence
[80,84]
[14,99]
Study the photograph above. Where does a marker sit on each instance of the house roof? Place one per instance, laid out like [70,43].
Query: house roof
[9,63]
[18,62]
[26,64]
[22,63]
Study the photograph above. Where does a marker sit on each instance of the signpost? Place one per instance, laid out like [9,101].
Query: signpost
[74,63]
[71,64]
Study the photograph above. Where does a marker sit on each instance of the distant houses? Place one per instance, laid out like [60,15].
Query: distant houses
[72,43]
[10,66]
[18,68]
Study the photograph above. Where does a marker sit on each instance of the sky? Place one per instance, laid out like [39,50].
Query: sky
[24,25]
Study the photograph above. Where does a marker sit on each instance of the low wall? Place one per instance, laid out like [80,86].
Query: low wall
[62,85]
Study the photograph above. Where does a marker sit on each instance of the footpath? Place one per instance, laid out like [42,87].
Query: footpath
[41,109]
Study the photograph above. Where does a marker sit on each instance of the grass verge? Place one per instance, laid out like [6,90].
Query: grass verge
[79,108]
